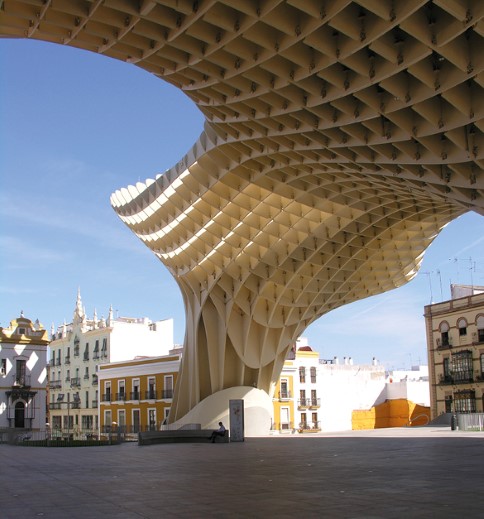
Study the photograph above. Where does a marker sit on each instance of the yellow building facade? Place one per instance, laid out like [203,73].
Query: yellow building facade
[136,395]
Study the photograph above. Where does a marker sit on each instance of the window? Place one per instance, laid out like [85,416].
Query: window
[121,390]
[135,392]
[314,419]
[151,393]
[302,374]
[68,422]
[480,328]
[86,352]
[444,335]
[448,404]
[445,339]
[168,383]
[87,399]
[285,424]
[96,349]
[21,374]
[462,325]
[86,373]
[446,366]
[107,420]
[166,412]
[302,397]
[465,401]
[3,366]
[313,374]
[284,394]
[152,419]
[136,420]
[304,421]
[314,398]
[462,366]
[104,349]
[86,422]
[121,420]
[76,347]
[107,394]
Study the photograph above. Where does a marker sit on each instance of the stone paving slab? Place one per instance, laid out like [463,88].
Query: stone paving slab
[388,473]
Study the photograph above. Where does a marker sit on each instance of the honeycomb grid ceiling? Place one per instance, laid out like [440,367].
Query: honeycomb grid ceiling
[340,138]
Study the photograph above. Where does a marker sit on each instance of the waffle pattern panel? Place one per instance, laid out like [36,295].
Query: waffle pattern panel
[340,137]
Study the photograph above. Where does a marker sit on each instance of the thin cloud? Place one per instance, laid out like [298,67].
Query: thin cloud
[76,222]
[14,248]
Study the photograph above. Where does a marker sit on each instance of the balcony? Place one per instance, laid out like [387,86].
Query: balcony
[76,351]
[20,380]
[303,403]
[55,405]
[134,395]
[94,403]
[106,397]
[314,403]
[95,380]
[67,360]
[167,393]
[443,345]
[55,384]
[282,427]
[121,396]
[284,396]
[462,378]
[86,357]
[150,394]
[76,382]
[309,427]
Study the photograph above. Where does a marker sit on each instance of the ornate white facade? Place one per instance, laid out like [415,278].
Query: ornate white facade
[23,375]
[76,351]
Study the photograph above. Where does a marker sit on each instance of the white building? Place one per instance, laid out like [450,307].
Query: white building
[316,394]
[23,375]
[345,387]
[410,385]
[77,350]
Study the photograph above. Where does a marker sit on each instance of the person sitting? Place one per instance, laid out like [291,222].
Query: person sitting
[219,432]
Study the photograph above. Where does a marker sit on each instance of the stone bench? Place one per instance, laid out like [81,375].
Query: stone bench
[180,436]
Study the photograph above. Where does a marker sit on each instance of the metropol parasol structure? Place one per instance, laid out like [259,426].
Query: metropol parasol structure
[340,137]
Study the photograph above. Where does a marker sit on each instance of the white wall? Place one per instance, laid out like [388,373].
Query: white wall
[344,388]
[132,339]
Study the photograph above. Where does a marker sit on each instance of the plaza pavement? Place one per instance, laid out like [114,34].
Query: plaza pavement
[387,473]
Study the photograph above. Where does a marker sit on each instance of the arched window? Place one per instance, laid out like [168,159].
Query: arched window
[444,334]
[480,328]
[462,325]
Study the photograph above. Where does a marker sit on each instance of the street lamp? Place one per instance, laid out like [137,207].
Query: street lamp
[113,425]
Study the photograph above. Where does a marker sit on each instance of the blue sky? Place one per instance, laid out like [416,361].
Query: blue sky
[76,126]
